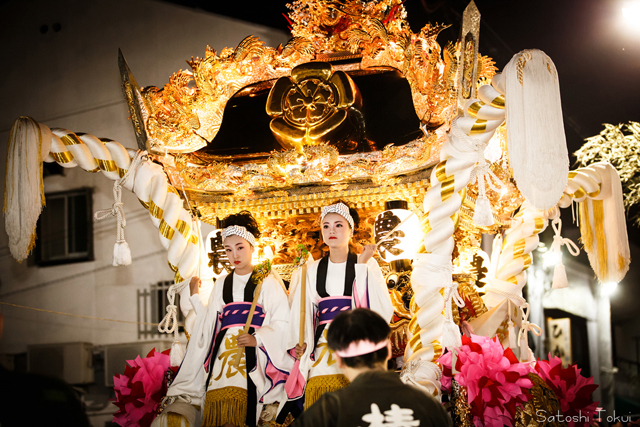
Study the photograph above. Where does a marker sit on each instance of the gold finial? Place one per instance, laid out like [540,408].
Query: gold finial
[469,39]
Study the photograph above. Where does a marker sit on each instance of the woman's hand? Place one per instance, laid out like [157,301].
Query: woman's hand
[367,253]
[194,285]
[247,340]
[300,350]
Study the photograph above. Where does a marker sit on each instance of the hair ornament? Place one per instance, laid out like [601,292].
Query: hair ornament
[358,348]
[241,231]
[340,209]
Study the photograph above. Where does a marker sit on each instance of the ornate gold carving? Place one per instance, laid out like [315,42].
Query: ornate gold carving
[541,408]
[470,36]
[460,409]
[183,117]
[128,90]
[474,306]
[401,294]
[319,164]
[311,106]
[187,113]
[468,66]
[173,120]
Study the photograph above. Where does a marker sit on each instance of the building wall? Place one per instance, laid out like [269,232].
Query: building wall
[582,299]
[70,79]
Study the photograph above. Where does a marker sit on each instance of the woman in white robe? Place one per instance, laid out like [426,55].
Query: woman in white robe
[231,395]
[339,282]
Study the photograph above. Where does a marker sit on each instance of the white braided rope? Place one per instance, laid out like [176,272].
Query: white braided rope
[523,336]
[169,323]
[117,210]
[428,369]
[452,295]
[559,241]
[138,158]
[517,299]
[121,252]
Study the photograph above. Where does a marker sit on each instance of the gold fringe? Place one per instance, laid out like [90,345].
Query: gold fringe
[586,232]
[622,263]
[601,241]
[7,200]
[41,166]
[225,405]
[32,244]
[174,420]
[317,386]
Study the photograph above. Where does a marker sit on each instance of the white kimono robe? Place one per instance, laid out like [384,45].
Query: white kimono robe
[271,346]
[369,282]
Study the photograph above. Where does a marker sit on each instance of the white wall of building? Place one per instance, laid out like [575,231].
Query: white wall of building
[582,298]
[70,79]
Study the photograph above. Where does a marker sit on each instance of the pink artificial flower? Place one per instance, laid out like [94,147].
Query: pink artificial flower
[572,389]
[140,389]
[496,381]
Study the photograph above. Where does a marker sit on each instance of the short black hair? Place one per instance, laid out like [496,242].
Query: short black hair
[244,219]
[357,325]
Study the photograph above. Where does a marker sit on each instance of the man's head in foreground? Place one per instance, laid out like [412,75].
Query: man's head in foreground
[360,341]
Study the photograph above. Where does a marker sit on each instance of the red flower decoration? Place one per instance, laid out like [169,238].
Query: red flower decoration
[141,389]
[572,389]
[496,381]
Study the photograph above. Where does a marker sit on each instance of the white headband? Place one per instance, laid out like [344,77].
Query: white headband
[339,208]
[239,230]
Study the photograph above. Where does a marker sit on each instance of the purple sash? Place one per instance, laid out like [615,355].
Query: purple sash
[330,307]
[236,313]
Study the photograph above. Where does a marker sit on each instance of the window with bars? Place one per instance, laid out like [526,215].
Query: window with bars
[152,305]
[65,228]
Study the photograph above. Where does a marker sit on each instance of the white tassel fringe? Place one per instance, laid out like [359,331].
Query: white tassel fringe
[24,188]
[482,214]
[177,353]
[560,277]
[535,130]
[451,335]
[121,254]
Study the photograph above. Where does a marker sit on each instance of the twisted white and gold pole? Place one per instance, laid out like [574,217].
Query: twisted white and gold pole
[148,182]
[603,227]
[598,190]
[522,237]
[431,278]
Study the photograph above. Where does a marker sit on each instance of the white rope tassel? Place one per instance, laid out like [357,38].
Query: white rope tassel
[559,273]
[523,337]
[121,251]
[169,323]
[451,332]
[483,175]
[482,213]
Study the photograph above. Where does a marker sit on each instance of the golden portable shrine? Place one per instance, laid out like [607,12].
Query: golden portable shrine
[432,145]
